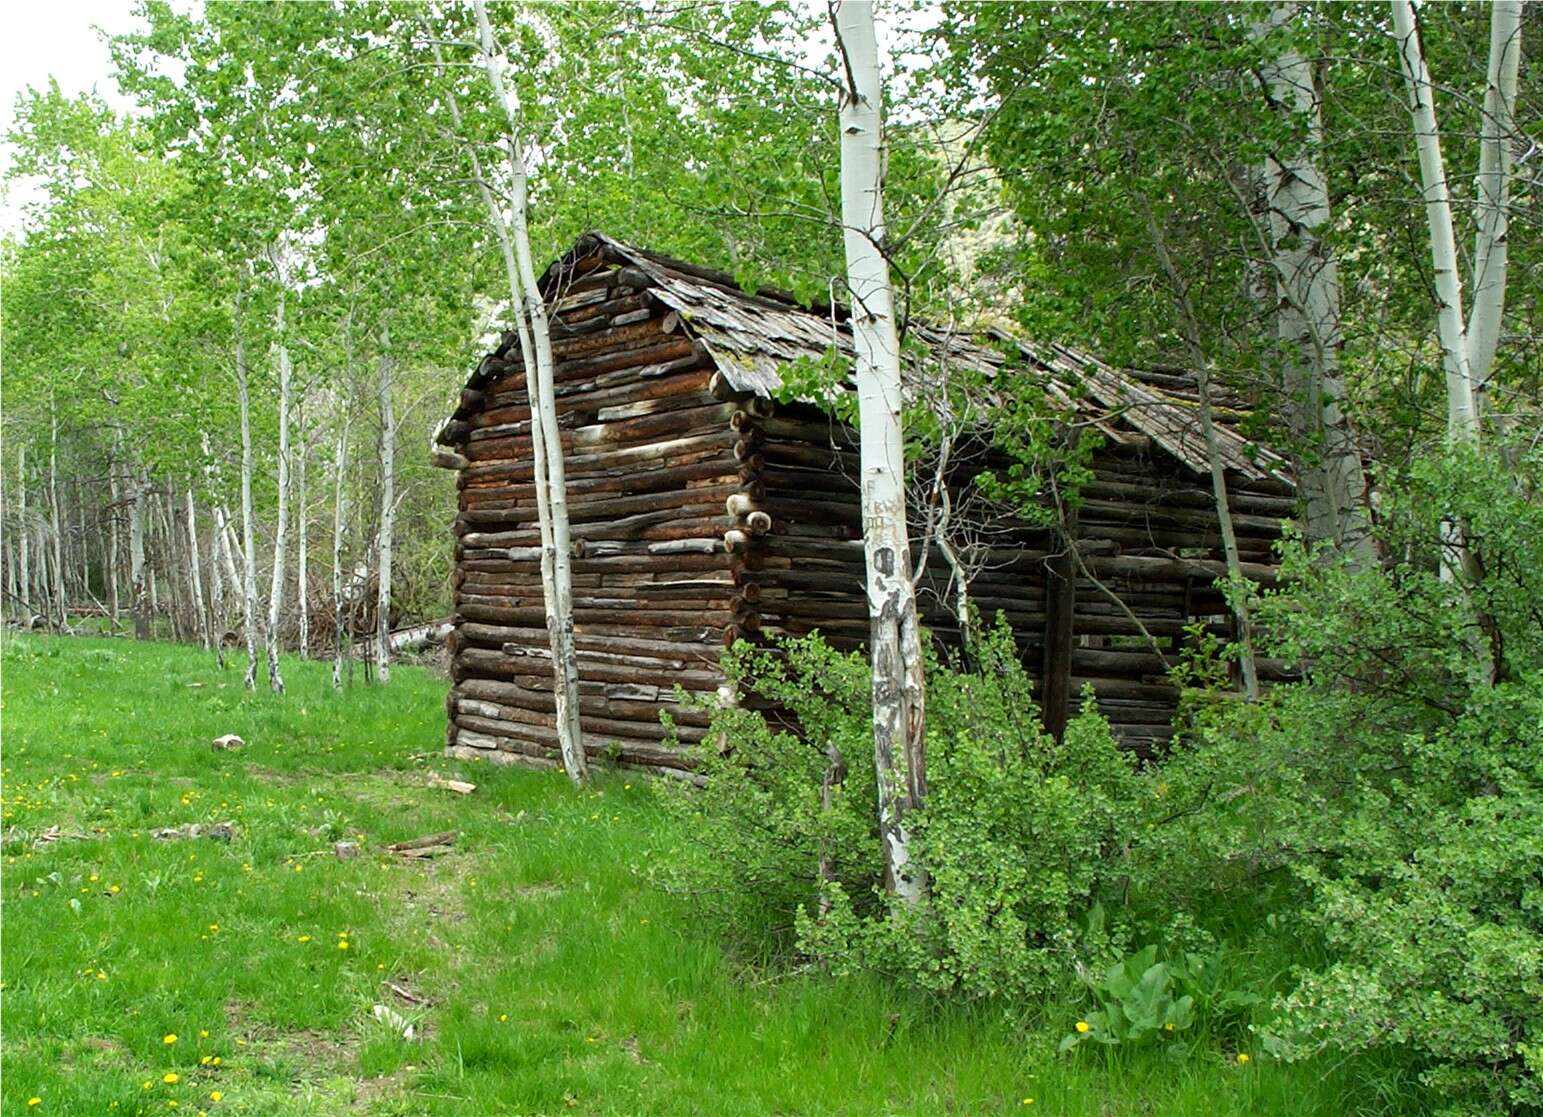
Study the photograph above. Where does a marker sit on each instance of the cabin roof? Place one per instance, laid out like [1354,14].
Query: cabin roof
[751,336]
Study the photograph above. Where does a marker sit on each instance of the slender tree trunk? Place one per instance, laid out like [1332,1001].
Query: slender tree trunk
[1307,313]
[204,625]
[217,594]
[114,551]
[302,572]
[53,512]
[549,468]
[387,508]
[339,519]
[1462,421]
[1202,368]
[139,588]
[895,640]
[281,531]
[1493,192]
[22,531]
[227,551]
[250,620]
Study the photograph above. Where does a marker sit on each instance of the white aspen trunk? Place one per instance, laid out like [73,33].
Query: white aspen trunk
[53,512]
[302,572]
[217,593]
[1224,522]
[228,549]
[23,545]
[1492,191]
[895,641]
[250,620]
[387,509]
[114,571]
[1202,368]
[549,469]
[1462,421]
[281,531]
[204,625]
[339,518]
[1307,313]
[138,584]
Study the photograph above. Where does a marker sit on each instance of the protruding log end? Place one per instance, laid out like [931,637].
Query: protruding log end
[758,522]
[735,541]
[739,504]
[446,459]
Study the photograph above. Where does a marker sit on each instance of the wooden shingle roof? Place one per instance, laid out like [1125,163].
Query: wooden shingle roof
[752,336]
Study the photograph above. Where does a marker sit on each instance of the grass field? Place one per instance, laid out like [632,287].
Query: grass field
[553,978]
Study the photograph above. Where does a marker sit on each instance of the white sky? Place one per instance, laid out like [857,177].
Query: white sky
[55,38]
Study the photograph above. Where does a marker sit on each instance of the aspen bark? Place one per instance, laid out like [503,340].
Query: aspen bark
[1493,192]
[250,619]
[139,588]
[536,351]
[1202,368]
[1307,312]
[53,511]
[1462,420]
[281,529]
[895,641]
[339,518]
[387,509]
[23,544]
[202,617]
[114,571]
[217,595]
[302,573]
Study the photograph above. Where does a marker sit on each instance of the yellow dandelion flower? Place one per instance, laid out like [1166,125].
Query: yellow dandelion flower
[170,1078]
[203,1062]
[34,1101]
[1168,1027]
[1028,1101]
[304,938]
[1242,1057]
[342,944]
[215,927]
[113,888]
[93,878]
[146,1084]
[216,1060]
[503,1018]
[169,1038]
[215,1095]
[1082,1026]
[203,1033]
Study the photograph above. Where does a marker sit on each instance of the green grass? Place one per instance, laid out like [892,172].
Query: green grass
[558,980]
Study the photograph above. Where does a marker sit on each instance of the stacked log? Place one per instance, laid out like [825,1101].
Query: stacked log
[702,513]
[650,463]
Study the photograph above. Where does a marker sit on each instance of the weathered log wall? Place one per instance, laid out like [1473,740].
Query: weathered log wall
[702,512]
[650,463]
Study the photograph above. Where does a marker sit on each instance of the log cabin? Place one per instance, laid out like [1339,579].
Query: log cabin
[706,507]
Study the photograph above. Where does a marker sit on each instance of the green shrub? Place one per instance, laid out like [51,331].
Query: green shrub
[1138,1003]
[1020,835]
[1388,811]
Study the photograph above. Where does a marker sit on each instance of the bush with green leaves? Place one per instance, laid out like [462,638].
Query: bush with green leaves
[1388,811]
[1139,1002]
[1020,835]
